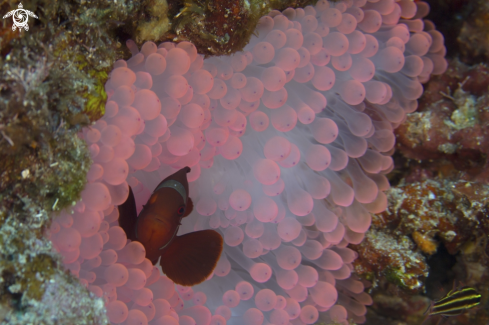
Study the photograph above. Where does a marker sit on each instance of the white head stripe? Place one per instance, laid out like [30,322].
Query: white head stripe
[177,186]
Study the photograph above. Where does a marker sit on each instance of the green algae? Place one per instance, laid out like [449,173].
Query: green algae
[403,279]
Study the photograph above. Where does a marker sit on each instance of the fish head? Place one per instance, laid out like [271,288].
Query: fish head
[181,177]
[161,217]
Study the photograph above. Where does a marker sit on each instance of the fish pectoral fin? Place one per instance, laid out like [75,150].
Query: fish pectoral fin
[191,258]
[189,208]
[128,216]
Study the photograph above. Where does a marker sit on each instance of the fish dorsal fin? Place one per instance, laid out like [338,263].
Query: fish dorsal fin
[191,258]
[128,216]
[189,208]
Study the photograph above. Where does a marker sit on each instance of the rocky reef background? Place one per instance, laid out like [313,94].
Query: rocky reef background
[51,85]
[436,225]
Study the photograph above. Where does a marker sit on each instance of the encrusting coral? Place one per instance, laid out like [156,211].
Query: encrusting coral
[441,202]
[421,215]
[438,203]
[436,225]
[452,126]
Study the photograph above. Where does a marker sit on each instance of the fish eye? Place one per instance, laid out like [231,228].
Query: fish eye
[181,210]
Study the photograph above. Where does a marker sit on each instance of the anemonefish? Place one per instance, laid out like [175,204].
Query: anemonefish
[188,259]
[456,302]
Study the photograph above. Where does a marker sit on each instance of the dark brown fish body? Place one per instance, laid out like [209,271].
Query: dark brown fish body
[187,259]
[161,217]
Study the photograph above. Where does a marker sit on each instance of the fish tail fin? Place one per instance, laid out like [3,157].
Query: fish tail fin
[189,208]
[427,312]
[430,306]
[191,258]
[128,216]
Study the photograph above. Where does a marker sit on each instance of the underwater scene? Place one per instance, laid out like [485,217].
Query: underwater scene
[244,162]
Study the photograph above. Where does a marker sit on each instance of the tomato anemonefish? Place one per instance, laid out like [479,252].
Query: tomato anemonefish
[188,259]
